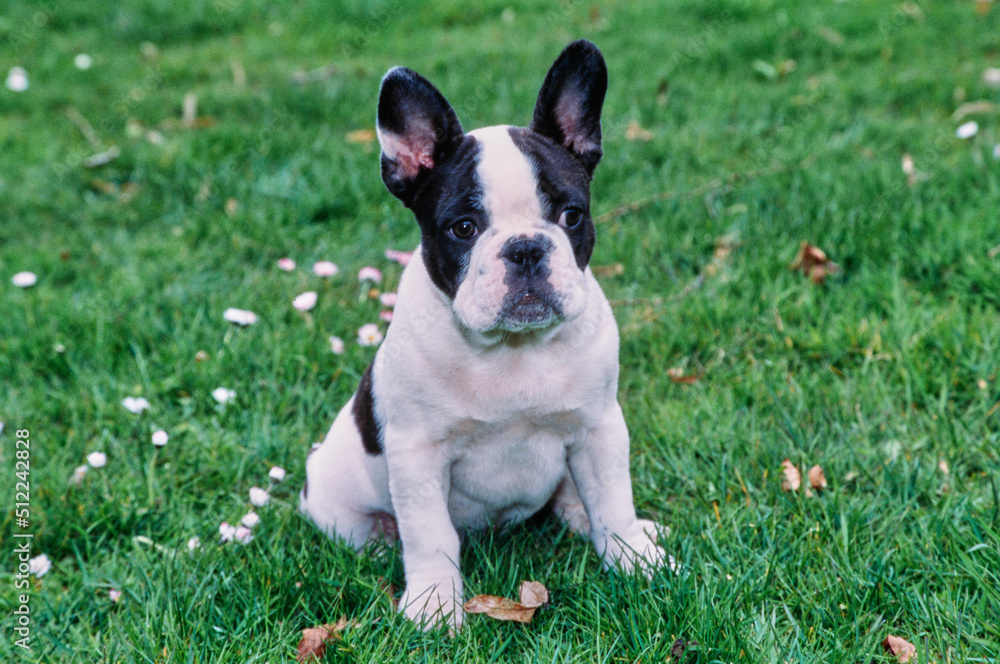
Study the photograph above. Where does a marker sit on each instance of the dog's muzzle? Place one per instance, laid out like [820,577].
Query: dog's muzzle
[531,301]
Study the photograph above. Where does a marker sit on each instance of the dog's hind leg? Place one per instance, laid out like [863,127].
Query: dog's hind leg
[346,491]
[568,507]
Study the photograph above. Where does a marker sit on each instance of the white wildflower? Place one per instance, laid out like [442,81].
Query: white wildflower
[259,497]
[240,316]
[39,565]
[306,301]
[369,335]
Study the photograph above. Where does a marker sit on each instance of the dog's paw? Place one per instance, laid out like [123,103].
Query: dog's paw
[434,605]
[637,550]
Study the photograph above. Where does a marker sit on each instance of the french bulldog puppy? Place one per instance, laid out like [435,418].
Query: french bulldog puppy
[494,393]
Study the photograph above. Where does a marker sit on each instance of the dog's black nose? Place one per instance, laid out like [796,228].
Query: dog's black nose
[525,252]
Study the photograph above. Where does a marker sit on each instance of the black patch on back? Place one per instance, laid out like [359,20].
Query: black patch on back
[364,415]
[562,182]
[451,192]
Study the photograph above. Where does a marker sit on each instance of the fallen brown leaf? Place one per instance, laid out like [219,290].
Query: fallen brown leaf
[817,479]
[613,270]
[900,647]
[314,639]
[813,262]
[791,477]
[390,590]
[676,374]
[533,594]
[500,608]
[678,648]
[636,132]
[360,136]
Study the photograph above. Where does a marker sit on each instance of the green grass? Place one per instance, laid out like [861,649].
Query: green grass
[888,369]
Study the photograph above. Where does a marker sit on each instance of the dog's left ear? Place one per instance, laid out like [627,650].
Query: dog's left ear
[569,104]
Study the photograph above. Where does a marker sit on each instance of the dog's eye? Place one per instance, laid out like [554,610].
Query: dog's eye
[463,230]
[571,217]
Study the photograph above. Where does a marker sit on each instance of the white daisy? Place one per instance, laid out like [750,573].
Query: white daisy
[39,565]
[160,438]
[227,531]
[135,405]
[387,299]
[401,257]
[286,264]
[277,473]
[968,130]
[83,62]
[239,316]
[97,459]
[223,395]
[259,497]
[325,269]
[78,474]
[24,279]
[17,79]
[114,595]
[194,543]
[306,301]
[369,335]
[337,345]
[243,535]
[369,273]
[250,519]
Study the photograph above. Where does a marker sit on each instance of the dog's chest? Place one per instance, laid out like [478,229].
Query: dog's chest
[504,473]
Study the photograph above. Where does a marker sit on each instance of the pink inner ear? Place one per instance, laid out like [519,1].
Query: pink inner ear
[411,151]
[567,113]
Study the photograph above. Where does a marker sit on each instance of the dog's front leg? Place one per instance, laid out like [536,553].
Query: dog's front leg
[599,465]
[419,484]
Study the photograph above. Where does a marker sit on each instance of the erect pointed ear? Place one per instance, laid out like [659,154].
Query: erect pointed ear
[569,104]
[417,128]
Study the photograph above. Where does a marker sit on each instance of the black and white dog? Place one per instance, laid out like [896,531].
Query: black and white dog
[494,393]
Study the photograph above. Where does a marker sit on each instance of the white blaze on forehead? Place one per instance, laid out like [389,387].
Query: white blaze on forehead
[509,188]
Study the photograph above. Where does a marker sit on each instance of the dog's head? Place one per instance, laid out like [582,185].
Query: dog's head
[504,212]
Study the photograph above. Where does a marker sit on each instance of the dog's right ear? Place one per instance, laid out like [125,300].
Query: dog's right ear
[417,128]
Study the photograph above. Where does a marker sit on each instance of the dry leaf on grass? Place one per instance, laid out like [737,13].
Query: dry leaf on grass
[390,590]
[817,479]
[813,262]
[679,647]
[676,374]
[791,478]
[902,649]
[613,270]
[636,132]
[314,639]
[533,595]
[360,136]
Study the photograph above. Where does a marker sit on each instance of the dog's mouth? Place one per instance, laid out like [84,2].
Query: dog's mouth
[528,309]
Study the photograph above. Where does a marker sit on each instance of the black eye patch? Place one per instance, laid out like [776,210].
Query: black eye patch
[562,183]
